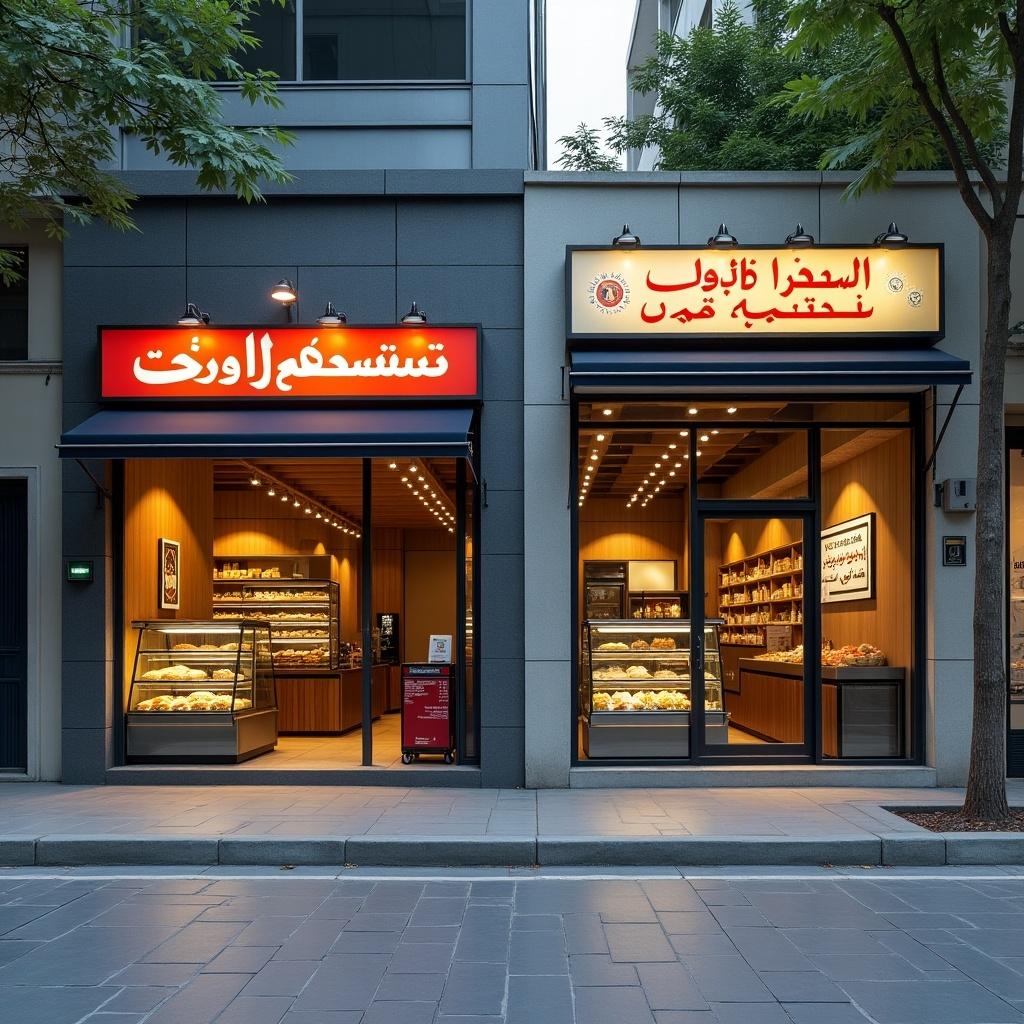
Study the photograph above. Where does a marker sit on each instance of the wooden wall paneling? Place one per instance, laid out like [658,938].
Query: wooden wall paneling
[770,706]
[876,481]
[309,705]
[429,605]
[170,498]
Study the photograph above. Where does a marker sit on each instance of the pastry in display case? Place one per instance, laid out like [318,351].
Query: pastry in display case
[635,688]
[201,691]
[303,616]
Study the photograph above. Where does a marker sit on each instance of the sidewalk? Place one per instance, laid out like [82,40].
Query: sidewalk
[50,824]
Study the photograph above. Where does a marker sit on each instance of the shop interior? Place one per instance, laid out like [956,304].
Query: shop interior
[639,591]
[266,600]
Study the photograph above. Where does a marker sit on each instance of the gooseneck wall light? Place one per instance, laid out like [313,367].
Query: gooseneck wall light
[722,239]
[626,240]
[416,317]
[331,317]
[285,293]
[892,237]
[799,239]
[193,316]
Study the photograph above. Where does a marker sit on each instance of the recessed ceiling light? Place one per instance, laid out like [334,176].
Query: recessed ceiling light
[657,465]
[593,458]
[684,433]
[687,455]
[671,472]
[693,410]
[679,465]
[672,445]
[255,481]
[271,493]
[600,437]
[284,497]
[699,453]
[714,432]
[607,412]
[705,438]
[731,409]
[296,503]
[392,465]
[651,473]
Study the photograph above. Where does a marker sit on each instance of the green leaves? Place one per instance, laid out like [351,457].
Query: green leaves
[72,73]
[582,151]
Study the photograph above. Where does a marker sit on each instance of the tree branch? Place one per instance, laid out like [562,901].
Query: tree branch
[976,207]
[965,133]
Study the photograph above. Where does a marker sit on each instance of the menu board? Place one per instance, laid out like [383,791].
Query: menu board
[426,707]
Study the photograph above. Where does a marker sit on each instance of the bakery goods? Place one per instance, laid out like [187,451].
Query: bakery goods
[639,644]
[637,672]
[663,643]
[613,645]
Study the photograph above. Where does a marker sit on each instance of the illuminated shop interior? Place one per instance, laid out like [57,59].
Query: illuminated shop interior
[655,560]
[279,543]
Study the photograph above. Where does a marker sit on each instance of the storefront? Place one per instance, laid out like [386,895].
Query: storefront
[294,516]
[751,429]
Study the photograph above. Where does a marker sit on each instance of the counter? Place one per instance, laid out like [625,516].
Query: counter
[331,702]
[861,707]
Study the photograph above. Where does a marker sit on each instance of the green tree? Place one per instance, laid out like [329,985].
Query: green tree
[72,71]
[582,151]
[943,80]
[717,97]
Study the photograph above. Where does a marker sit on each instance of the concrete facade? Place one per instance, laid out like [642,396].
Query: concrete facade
[674,208]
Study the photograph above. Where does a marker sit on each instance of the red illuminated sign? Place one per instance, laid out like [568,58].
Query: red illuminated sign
[290,362]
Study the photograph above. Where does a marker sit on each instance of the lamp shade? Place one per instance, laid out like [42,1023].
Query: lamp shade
[416,317]
[722,239]
[284,291]
[892,237]
[331,317]
[626,240]
[799,239]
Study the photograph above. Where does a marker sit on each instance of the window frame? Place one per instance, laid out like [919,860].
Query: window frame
[300,81]
[23,249]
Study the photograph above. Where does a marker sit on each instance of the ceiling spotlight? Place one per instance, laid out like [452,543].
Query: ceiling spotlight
[627,240]
[331,317]
[593,458]
[714,433]
[679,464]
[284,497]
[271,493]
[731,410]
[600,437]
[296,503]
[672,445]
[693,410]
[799,239]
[255,481]
[284,292]
[721,239]
[416,317]
[308,511]
[699,453]
[606,412]
[892,237]
[705,438]
[193,316]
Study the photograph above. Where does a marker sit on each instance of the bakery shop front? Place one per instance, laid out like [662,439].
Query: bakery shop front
[293,516]
[748,428]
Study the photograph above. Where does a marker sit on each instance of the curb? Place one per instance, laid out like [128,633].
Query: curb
[888,849]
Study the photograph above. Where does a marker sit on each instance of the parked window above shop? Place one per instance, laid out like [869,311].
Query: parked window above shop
[14,313]
[361,40]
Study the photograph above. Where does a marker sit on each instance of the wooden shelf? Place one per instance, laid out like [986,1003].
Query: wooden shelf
[750,633]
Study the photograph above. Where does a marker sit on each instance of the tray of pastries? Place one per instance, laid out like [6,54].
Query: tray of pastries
[197,700]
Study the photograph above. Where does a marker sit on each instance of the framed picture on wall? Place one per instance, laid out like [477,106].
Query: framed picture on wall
[169,577]
[848,560]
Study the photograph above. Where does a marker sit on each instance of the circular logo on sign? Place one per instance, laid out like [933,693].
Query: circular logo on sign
[895,284]
[914,298]
[608,293]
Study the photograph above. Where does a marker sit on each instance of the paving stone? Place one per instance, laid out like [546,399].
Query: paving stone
[50,1005]
[824,1013]
[57,921]
[750,1013]
[405,1012]
[343,983]
[322,1017]
[628,910]
[934,1002]
[539,1000]
[726,979]
[393,897]
[196,943]
[802,987]
[684,1017]
[638,943]
[485,935]
[994,941]
[716,945]
[240,960]
[131,915]
[725,896]
[422,958]
[768,951]
[434,912]
[537,923]
[137,999]
[612,1006]
[201,1000]
[157,975]
[739,917]
[844,967]
[537,953]
[670,987]
[281,978]
[841,911]
[415,987]
[366,942]
[267,931]
[914,952]
[374,922]
[833,940]
[584,933]
[12,950]
[671,894]
[256,1010]
[474,988]
[689,922]
[996,977]
[597,970]
[338,908]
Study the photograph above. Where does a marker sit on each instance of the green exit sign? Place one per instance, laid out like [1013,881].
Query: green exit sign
[79,571]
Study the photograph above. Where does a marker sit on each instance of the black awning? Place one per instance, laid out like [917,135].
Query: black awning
[758,370]
[286,433]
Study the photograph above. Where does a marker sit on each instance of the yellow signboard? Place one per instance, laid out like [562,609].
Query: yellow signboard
[781,293]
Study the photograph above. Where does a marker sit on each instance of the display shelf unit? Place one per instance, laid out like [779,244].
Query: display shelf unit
[303,615]
[201,691]
[635,688]
[761,590]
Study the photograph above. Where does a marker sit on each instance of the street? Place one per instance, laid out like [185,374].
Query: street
[770,946]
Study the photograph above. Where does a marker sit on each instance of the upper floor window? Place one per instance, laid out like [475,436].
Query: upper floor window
[14,313]
[360,40]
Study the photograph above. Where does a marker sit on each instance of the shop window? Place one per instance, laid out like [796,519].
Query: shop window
[1015,473]
[867,593]
[361,40]
[14,312]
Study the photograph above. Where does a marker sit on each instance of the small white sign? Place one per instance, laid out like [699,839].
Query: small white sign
[440,650]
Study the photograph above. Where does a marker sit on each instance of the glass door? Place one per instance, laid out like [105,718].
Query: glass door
[749,669]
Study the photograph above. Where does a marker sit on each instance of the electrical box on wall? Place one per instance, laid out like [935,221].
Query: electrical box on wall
[956,495]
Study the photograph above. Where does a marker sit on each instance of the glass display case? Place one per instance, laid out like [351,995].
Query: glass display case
[201,691]
[635,688]
[303,617]
[669,604]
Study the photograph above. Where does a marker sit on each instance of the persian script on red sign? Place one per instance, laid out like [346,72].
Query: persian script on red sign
[286,362]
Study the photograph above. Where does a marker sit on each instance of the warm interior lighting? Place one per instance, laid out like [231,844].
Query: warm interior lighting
[284,292]
[607,412]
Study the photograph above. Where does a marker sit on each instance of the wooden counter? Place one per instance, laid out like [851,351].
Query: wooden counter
[861,707]
[328,702]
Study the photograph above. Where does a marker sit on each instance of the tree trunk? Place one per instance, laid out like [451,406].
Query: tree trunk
[986,781]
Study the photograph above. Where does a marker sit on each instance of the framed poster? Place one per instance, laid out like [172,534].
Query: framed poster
[848,560]
[169,578]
